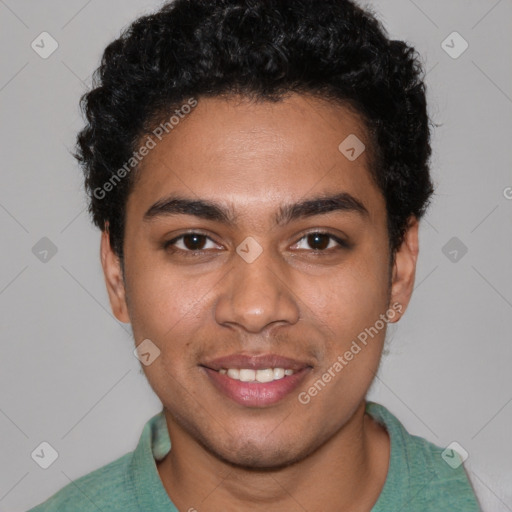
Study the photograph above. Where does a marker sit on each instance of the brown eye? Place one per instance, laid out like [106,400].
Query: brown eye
[320,242]
[194,242]
[190,242]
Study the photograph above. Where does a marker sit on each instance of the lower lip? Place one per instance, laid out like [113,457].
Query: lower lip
[256,394]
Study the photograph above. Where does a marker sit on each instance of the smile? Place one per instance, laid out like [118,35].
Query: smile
[256,388]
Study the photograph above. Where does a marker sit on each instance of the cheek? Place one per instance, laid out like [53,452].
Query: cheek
[170,310]
[348,307]
[163,302]
[351,298]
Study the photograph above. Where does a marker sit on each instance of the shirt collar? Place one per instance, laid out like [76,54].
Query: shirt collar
[155,444]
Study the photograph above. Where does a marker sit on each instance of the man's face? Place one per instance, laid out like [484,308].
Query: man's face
[285,292]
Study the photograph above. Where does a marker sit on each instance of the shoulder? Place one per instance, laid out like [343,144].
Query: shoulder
[107,488]
[437,476]
[428,475]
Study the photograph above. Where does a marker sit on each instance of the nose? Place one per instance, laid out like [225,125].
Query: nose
[257,294]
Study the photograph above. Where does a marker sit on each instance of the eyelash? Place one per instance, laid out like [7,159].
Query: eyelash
[190,253]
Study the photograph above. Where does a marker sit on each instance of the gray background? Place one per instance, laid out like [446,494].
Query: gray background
[67,372]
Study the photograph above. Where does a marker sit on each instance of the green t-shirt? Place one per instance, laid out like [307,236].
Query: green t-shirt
[418,479]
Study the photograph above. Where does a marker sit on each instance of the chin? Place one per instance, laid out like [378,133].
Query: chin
[260,460]
[259,455]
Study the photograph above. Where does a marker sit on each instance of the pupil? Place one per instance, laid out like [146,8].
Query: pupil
[316,239]
[191,241]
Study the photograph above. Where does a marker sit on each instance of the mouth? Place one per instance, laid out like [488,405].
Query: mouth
[256,381]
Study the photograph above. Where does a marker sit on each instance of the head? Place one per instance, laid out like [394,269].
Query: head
[292,145]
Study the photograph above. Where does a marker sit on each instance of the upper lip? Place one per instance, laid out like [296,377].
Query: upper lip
[255,362]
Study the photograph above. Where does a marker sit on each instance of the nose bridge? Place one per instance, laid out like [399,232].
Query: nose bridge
[254,294]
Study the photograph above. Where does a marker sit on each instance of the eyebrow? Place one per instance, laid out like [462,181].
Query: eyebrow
[208,210]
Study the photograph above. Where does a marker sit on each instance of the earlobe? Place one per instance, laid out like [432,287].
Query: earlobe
[113,278]
[404,269]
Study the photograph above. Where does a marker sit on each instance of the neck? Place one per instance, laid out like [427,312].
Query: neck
[345,473]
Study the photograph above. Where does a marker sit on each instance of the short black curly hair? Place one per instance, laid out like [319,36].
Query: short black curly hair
[263,50]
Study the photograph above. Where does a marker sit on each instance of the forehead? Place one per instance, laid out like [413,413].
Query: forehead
[256,155]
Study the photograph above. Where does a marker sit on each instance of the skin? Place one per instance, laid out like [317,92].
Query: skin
[293,300]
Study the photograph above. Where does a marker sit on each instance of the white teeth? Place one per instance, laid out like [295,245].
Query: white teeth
[234,373]
[249,375]
[266,375]
[278,373]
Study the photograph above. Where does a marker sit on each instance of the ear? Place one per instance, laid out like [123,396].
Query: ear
[113,278]
[404,269]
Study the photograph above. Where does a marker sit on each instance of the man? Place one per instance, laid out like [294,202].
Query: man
[258,169]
